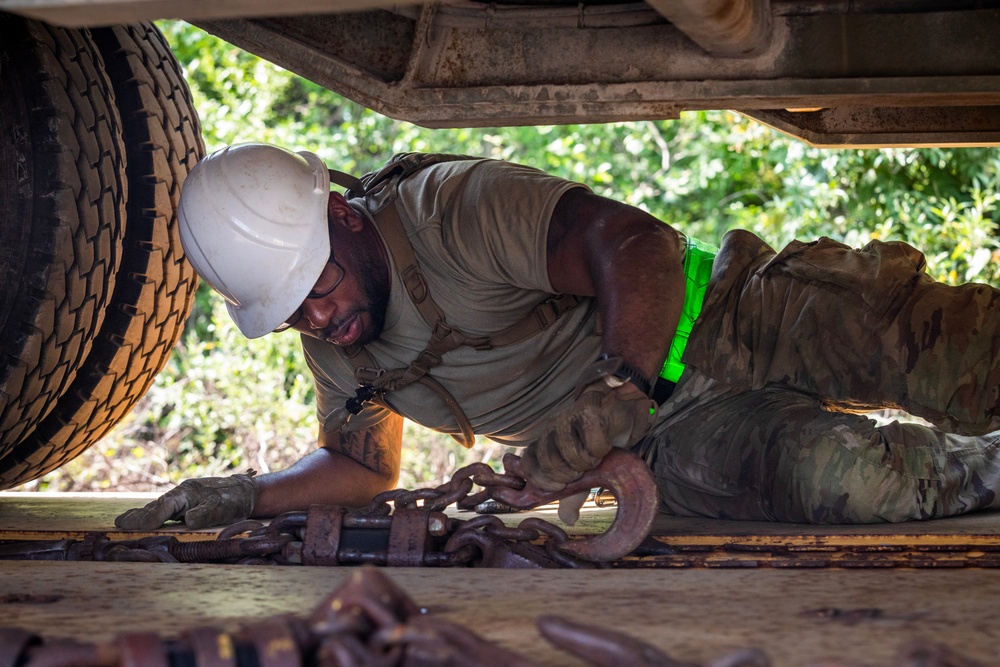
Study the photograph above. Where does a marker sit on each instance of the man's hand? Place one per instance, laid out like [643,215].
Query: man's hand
[577,439]
[200,503]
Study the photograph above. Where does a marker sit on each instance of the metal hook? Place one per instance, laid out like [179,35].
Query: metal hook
[621,472]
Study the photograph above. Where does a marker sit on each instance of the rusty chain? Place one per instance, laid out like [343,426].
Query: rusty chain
[404,528]
[370,621]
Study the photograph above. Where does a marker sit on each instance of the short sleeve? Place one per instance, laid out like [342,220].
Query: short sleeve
[491,218]
[334,382]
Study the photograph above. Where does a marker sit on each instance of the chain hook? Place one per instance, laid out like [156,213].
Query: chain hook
[623,474]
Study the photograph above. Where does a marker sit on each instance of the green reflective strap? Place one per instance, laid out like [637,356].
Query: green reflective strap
[698,259]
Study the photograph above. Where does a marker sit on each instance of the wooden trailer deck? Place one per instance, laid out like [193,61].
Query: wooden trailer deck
[708,587]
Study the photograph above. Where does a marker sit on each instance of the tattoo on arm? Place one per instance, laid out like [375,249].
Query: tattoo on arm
[377,448]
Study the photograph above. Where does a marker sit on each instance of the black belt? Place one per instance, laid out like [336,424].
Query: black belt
[662,390]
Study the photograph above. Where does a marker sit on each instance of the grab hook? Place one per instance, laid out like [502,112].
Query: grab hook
[623,474]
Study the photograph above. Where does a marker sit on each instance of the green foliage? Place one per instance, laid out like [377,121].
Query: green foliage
[225,403]
[234,400]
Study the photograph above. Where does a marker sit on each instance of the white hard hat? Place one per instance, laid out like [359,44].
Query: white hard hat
[253,223]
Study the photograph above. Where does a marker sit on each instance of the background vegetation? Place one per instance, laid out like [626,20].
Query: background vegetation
[225,403]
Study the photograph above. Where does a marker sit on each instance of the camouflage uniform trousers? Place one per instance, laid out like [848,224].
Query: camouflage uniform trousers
[762,424]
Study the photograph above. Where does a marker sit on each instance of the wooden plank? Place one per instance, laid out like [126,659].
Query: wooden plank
[31,516]
[42,516]
[975,524]
[693,615]
[47,515]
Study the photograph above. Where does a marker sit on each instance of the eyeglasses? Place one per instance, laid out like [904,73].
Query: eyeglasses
[328,281]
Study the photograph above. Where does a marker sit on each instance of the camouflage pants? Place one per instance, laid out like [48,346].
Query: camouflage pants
[759,426]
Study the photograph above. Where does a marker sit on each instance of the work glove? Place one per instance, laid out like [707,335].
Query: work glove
[577,438]
[200,503]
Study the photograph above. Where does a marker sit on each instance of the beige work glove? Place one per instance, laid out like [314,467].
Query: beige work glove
[200,503]
[577,439]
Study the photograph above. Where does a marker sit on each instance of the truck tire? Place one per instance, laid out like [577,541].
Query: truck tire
[62,211]
[155,285]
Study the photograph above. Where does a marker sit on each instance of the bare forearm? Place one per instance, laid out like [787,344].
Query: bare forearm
[349,469]
[322,477]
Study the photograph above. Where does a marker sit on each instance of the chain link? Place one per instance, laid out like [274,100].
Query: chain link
[406,527]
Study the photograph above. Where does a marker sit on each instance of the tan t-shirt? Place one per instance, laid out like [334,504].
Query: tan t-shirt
[478,229]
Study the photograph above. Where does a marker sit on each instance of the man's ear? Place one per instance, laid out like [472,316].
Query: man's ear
[343,213]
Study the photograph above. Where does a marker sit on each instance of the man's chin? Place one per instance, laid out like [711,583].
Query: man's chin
[371,328]
[368,335]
